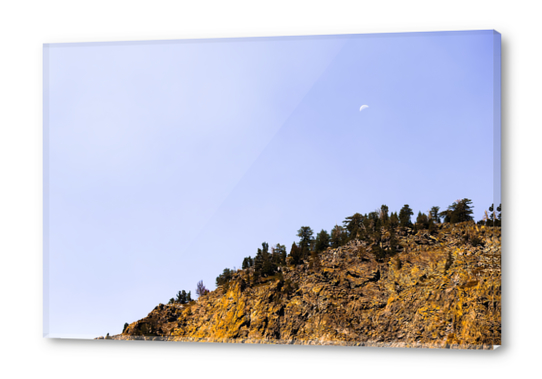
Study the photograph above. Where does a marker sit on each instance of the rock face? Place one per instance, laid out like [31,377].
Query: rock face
[441,290]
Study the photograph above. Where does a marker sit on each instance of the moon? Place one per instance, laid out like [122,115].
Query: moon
[363,107]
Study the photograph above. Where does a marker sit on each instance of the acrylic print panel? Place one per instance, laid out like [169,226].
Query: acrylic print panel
[333,190]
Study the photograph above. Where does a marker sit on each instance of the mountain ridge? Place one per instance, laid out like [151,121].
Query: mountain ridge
[441,289]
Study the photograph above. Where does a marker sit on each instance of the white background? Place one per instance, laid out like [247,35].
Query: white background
[25,26]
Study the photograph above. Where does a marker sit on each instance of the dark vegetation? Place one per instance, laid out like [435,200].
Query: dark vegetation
[182,297]
[371,227]
[493,217]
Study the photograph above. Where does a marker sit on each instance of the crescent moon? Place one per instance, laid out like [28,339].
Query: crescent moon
[363,107]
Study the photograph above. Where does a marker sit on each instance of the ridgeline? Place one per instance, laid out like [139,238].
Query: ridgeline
[437,286]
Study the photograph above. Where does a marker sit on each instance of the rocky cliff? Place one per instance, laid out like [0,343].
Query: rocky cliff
[442,289]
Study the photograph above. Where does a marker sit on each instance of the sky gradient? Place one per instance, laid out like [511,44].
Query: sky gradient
[167,161]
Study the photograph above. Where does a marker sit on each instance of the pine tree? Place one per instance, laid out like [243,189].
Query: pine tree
[258,264]
[489,216]
[267,268]
[247,262]
[394,220]
[434,214]
[283,254]
[422,221]
[393,242]
[459,211]
[338,236]
[181,297]
[375,221]
[263,265]
[354,225]
[224,278]
[278,255]
[404,215]
[306,240]
[384,217]
[322,241]
[295,254]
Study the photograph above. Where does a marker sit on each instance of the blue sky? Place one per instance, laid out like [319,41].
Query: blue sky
[168,161]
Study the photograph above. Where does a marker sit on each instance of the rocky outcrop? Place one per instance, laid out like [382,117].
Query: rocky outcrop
[443,290]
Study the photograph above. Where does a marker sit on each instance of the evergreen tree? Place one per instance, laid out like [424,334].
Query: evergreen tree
[492,212]
[435,215]
[422,221]
[247,262]
[306,240]
[263,265]
[338,236]
[459,211]
[374,221]
[463,211]
[354,225]
[393,242]
[268,267]
[494,217]
[283,254]
[404,215]
[278,254]
[305,237]
[295,253]
[181,297]
[322,241]
[224,278]
[394,220]
[258,266]
[384,214]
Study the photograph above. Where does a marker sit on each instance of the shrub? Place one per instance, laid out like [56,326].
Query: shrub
[473,240]
[476,241]
[289,287]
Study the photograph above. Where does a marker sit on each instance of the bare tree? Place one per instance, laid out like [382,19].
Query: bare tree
[200,289]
